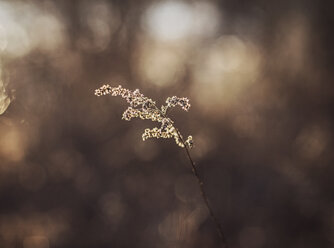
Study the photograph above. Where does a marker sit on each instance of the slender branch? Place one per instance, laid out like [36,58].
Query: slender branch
[204,195]
[201,186]
[135,98]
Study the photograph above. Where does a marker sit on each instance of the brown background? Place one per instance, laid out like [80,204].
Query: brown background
[258,74]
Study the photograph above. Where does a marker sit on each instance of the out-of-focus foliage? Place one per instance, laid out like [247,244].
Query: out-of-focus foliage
[4,98]
[259,76]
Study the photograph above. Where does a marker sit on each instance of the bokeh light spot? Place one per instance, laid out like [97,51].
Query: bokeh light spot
[176,20]
[312,141]
[36,242]
[100,20]
[159,64]
[169,20]
[12,141]
[25,27]
[223,71]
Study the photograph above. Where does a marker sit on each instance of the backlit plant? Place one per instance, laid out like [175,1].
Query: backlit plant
[145,108]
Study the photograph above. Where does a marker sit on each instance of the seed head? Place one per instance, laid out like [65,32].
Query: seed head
[145,108]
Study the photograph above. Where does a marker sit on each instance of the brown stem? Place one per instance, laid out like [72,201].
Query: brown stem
[201,186]
[204,195]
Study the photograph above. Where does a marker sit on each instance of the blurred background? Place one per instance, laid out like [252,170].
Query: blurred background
[258,74]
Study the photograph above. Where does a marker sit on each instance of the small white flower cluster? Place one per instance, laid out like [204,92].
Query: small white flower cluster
[174,100]
[144,108]
[134,98]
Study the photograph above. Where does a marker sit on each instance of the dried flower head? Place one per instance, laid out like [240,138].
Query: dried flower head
[145,108]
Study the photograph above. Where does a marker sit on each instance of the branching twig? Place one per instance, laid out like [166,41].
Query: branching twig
[145,108]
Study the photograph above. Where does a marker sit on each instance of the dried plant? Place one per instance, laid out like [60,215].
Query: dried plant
[145,108]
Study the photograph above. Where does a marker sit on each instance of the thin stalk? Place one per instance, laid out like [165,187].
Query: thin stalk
[201,186]
[204,195]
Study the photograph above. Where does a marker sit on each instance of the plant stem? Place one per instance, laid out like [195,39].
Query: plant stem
[201,185]
[204,195]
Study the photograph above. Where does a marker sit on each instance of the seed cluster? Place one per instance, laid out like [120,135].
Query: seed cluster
[145,108]
[174,100]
